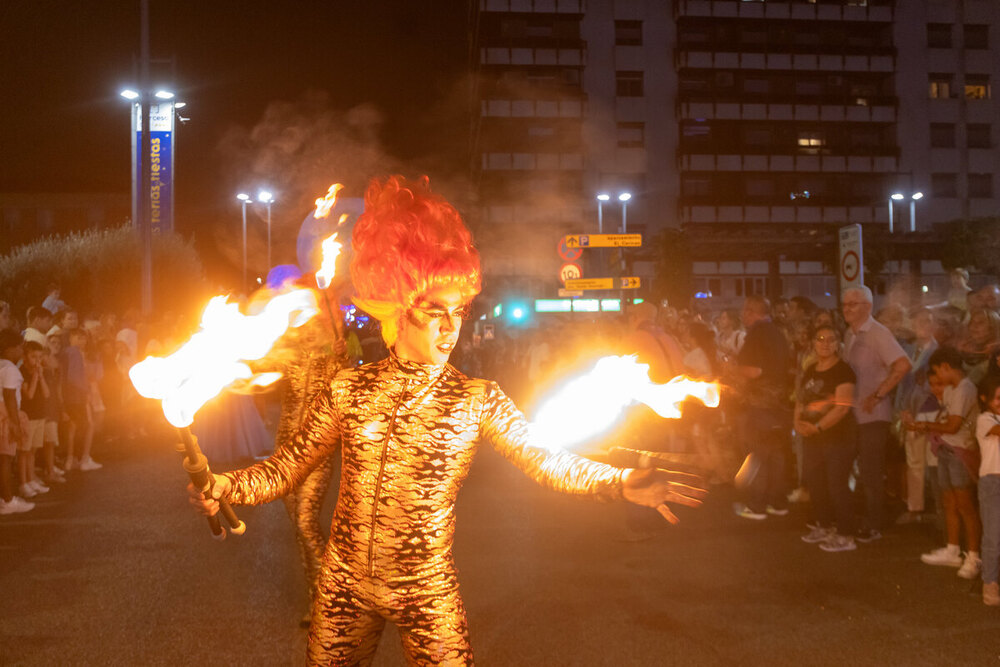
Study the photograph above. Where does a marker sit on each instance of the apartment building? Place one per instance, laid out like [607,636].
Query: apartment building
[759,127]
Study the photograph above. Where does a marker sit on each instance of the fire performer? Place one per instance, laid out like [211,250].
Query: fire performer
[408,428]
[317,354]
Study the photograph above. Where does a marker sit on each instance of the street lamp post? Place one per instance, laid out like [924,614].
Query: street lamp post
[896,196]
[913,209]
[601,198]
[267,198]
[244,198]
[623,198]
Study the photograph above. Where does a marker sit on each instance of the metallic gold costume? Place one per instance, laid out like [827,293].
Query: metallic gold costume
[408,433]
[310,373]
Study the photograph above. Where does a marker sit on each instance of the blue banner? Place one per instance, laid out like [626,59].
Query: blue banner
[161,166]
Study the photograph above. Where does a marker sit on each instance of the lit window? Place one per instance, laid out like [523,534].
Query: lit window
[977,87]
[940,86]
[811,141]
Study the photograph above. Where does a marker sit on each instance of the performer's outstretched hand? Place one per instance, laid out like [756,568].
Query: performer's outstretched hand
[209,507]
[655,487]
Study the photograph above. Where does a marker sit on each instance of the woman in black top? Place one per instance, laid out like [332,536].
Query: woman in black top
[824,419]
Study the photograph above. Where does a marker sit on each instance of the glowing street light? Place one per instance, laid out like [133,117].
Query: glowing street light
[129,94]
[898,197]
[265,197]
[163,95]
[601,198]
[244,199]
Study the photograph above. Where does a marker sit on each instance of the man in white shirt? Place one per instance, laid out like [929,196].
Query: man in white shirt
[879,363]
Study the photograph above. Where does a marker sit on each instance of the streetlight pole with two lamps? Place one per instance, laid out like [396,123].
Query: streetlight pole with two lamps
[899,196]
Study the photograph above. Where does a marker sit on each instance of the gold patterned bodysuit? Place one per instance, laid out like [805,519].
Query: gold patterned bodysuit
[407,434]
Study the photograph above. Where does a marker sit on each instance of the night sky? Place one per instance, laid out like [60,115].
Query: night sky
[290,94]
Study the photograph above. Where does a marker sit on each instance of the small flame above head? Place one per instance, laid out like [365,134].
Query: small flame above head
[326,203]
[331,250]
[591,403]
[215,357]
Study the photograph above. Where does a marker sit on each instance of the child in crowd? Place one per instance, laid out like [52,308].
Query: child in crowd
[953,441]
[12,429]
[53,409]
[76,392]
[929,411]
[988,436]
[39,322]
[34,396]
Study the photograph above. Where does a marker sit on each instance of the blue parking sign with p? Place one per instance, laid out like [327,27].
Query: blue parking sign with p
[584,241]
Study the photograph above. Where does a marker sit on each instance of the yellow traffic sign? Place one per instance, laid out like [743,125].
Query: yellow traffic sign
[604,241]
[632,282]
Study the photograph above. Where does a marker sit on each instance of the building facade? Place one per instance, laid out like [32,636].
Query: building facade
[758,127]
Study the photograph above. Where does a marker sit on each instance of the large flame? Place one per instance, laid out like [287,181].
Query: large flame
[215,357]
[331,247]
[589,404]
[327,269]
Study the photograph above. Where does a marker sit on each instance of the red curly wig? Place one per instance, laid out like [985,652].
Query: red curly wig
[407,242]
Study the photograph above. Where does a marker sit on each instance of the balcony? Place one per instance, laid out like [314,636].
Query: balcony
[789,163]
[508,55]
[732,110]
[848,10]
[829,62]
[533,6]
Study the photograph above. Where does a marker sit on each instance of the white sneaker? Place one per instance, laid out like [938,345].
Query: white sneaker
[56,470]
[89,464]
[27,491]
[971,567]
[15,505]
[817,535]
[943,556]
[38,486]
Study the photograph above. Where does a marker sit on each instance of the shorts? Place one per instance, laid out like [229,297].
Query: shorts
[952,472]
[35,435]
[51,432]
[78,414]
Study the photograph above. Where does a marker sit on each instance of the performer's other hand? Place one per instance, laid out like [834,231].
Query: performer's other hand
[655,487]
[209,507]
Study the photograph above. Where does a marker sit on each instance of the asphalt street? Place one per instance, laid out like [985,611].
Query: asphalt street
[114,568]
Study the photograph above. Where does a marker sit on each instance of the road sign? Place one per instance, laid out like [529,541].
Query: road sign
[851,258]
[569,293]
[570,272]
[631,282]
[604,240]
[567,253]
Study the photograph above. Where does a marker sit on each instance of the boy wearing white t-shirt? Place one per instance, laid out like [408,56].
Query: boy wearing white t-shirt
[12,430]
[953,441]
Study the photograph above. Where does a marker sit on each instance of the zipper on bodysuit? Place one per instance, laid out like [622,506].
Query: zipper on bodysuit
[378,480]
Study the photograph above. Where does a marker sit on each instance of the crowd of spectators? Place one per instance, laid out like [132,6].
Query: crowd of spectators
[65,393]
[876,418]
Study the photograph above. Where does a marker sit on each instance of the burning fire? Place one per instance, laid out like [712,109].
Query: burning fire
[591,403]
[331,250]
[215,357]
[326,203]
[331,247]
